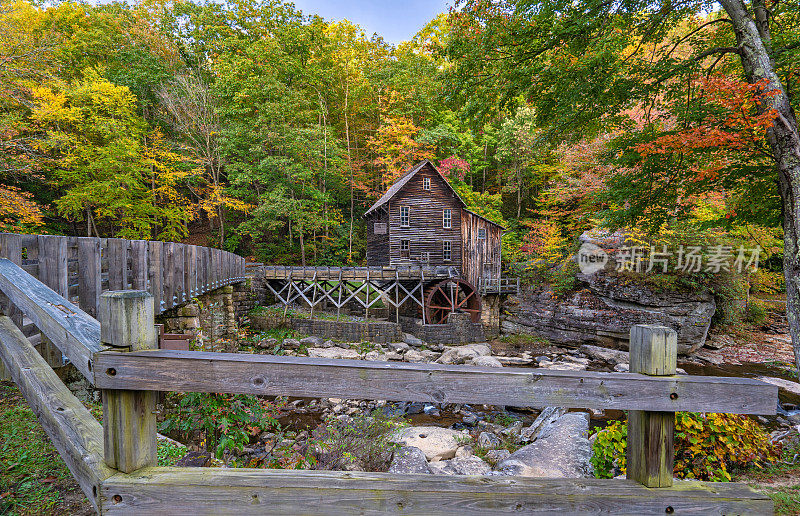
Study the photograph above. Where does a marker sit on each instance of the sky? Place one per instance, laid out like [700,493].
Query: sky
[395,20]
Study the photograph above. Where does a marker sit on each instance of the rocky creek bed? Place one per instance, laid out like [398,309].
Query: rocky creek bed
[449,439]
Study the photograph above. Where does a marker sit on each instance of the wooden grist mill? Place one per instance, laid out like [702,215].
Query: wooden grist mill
[428,256]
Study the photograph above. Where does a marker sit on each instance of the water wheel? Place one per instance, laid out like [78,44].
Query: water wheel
[448,296]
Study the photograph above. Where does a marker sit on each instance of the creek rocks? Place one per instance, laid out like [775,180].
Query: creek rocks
[603,311]
[562,450]
[486,361]
[469,465]
[333,353]
[464,354]
[435,442]
[409,460]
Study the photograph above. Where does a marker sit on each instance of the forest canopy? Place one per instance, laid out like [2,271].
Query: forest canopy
[253,126]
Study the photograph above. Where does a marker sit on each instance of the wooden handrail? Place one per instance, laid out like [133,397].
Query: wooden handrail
[196,371]
[81,268]
[73,331]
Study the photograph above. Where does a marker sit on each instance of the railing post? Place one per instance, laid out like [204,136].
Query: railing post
[650,453]
[129,419]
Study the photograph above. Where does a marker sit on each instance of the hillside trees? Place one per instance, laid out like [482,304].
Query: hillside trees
[584,65]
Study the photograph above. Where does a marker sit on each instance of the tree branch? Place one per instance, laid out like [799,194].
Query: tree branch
[717,50]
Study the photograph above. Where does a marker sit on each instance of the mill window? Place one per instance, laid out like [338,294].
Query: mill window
[426,183]
[404,248]
[405,219]
[447,252]
[447,218]
[481,234]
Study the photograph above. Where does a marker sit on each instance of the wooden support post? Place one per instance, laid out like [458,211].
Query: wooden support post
[650,453]
[129,417]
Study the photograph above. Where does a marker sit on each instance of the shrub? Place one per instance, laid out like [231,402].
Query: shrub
[356,443]
[226,421]
[707,446]
[756,311]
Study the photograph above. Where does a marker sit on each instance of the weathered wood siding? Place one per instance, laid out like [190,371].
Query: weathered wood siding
[378,244]
[425,232]
[481,256]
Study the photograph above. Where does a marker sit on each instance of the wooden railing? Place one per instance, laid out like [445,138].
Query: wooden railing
[116,466]
[81,268]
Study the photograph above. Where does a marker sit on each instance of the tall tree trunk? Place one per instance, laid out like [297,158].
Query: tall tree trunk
[784,140]
[349,164]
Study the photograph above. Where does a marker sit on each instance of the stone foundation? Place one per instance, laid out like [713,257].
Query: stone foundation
[214,316]
[348,331]
[490,315]
[458,330]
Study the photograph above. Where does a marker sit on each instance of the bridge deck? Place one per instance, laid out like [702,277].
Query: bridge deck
[402,272]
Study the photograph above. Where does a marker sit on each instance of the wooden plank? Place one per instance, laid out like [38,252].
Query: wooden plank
[200,491]
[129,417]
[139,268]
[74,432]
[650,453]
[89,275]
[117,264]
[156,275]
[178,278]
[190,272]
[169,275]
[71,329]
[53,273]
[194,371]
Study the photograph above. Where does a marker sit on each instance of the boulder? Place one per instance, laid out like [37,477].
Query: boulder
[561,450]
[611,356]
[333,353]
[398,347]
[546,417]
[267,343]
[464,354]
[435,442]
[311,341]
[409,460]
[495,456]
[412,341]
[784,386]
[290,344]
[488,440]
[471,465]
[412,355]
[603,309]
[486,362]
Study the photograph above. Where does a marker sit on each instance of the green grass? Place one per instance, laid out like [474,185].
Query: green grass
[33,478]
[786,499]
[779,481]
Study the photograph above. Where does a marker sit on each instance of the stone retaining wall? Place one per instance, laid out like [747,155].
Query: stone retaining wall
[458,330]
[348,331]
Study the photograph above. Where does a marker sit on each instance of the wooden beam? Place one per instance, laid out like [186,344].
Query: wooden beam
[650,452]
[195,371]
[129,417]
[74,432]
[71,329]
[201,491]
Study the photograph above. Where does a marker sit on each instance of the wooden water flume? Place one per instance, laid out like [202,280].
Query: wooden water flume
[115,465]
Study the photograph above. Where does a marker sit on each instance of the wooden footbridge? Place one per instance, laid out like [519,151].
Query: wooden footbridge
[115,463]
